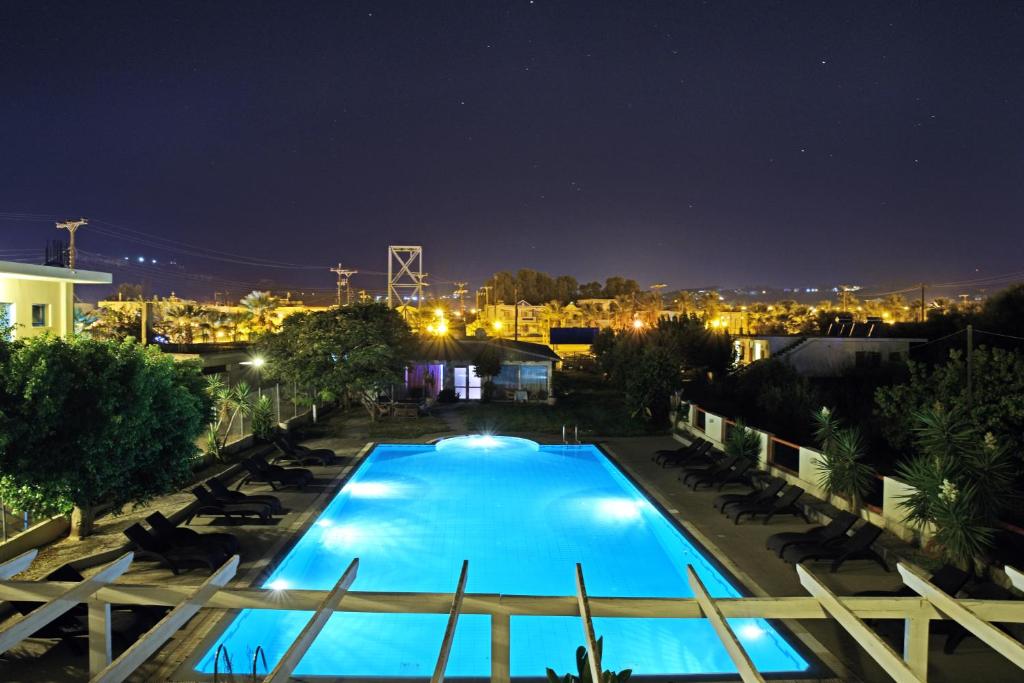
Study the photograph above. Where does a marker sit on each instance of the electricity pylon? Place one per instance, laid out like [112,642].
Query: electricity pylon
[408,275]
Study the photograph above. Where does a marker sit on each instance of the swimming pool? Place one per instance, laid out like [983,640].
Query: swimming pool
[523,515]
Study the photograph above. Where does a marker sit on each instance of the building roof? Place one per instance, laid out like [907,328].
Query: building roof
[28,271]
[573,335]
[452,349]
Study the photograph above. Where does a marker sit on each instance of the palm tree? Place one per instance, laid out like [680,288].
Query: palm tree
[592,315]
[260,307]
[553,314]
[180,322]
[624,310]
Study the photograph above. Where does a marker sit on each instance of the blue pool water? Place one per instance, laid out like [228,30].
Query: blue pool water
[523,515]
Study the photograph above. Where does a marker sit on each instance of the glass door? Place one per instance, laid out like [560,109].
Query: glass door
[467,384]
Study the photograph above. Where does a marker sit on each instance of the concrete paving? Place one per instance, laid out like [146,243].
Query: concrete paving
[742,549]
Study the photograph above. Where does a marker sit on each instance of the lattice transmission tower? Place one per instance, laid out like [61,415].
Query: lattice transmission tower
[405,274]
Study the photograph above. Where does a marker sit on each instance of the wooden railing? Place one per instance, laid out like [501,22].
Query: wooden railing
[100,591]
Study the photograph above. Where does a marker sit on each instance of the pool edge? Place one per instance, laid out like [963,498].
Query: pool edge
[817,669]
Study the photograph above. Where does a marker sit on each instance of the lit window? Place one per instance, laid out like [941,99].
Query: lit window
[38,315]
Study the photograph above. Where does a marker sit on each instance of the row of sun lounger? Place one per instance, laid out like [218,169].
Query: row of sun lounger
[181,549]
[837,541]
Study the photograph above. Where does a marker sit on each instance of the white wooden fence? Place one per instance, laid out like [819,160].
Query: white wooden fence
[100,591]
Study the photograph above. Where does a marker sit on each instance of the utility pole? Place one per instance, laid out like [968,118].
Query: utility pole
[657,291]
[460,292]
[922,302]
[422,280]
[71,227]
[364,296]
[343,275]
[515,298]
[487,295]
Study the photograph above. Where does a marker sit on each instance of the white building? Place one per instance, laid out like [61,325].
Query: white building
[823,356]
[38,299]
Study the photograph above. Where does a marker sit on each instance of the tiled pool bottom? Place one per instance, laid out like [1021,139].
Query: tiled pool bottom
[522,515]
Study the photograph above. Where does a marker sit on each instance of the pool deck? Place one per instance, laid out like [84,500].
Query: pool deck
[740,548]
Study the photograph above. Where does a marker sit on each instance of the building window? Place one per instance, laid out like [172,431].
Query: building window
[38,315]
[6,321]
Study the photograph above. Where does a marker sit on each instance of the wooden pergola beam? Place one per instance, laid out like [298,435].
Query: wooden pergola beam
[986,632]
[449,631]
[877,648]
[286,665]
[18,564]
[795,607]
[152,640]
[1016,577]
[583,604]
[45,613]
[739,657]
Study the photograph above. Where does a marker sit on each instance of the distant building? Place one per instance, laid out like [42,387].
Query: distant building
[823,356]
[39,299]
[447,363]
[500,320]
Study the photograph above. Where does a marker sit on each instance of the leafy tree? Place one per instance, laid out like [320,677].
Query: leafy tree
[996,405]
[487,366]
[115,324]
[86,423]
[962,482]
[355,352]
[652,363]
[591,290]
[1004,312]
[127,291]
[619,286]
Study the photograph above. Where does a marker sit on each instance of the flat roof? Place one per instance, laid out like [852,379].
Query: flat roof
[29,271]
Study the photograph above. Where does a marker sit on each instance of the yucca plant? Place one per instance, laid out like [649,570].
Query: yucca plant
[742,441]
[229,404]
[263,419]
[962,482]
[583,669]
[841,464]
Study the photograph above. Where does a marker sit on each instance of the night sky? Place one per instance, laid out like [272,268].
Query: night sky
[715,143]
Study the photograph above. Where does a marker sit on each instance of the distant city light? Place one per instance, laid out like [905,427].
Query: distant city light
[142,259]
